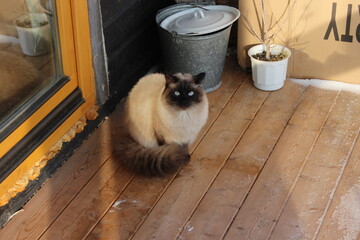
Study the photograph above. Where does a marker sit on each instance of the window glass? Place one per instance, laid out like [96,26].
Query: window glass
[30,62]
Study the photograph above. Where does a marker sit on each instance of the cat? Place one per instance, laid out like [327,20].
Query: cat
[163,115]
[18,77]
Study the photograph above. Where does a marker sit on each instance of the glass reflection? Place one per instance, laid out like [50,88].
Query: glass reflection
[29,53]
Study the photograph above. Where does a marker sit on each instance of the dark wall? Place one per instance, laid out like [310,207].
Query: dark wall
[131,40]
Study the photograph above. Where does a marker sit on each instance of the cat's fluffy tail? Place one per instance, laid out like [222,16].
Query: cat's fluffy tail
[157,161]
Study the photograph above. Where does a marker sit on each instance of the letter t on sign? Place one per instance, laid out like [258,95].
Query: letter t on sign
[347,37]
[332,25]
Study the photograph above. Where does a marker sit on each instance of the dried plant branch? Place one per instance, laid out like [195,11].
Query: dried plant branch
[279,24]
[251,29]
[267,30]
[287,10]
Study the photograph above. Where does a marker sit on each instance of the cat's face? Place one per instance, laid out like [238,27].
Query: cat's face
[183,90]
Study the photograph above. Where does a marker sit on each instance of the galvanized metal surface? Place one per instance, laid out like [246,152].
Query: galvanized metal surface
[194,54]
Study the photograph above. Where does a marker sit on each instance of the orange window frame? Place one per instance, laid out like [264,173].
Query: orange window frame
[74,32]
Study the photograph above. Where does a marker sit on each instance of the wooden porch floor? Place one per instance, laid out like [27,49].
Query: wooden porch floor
[279,165]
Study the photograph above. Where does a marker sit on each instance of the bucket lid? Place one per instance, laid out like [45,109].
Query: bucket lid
[201,20]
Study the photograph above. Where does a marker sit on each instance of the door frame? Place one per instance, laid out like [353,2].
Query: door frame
[78,93]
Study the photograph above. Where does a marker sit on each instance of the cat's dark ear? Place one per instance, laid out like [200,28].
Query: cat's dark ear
[170,79]
[199,78]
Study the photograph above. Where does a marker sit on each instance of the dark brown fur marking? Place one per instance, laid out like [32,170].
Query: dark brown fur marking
[157,161]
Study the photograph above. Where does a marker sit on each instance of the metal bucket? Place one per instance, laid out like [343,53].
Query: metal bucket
[193,54]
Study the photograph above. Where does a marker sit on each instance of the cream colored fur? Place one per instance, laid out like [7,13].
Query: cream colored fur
[152,116]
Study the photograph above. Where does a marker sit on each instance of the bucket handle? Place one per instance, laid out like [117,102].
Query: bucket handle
[194,5]
[200,6]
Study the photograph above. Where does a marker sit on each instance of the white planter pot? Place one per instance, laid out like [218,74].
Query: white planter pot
[34,41]
[269,76]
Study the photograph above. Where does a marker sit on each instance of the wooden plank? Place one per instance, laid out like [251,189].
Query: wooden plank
[178,202]
[142,193]
[91,203]
[38,61]
[4,46]
[303,214]
[263,204]
[343,218]
[43,64]
[83,51]
[48,203]
[69,67]
[25,90]
[231,80]
[129,210]
[240,171]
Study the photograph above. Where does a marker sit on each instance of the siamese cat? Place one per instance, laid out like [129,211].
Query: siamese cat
[163,115]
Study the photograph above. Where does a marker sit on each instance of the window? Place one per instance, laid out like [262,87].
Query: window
[49,82]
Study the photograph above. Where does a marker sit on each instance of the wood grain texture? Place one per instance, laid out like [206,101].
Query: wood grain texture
[82,41]
[60,190]
[178,202]
[261,208]
[91,203]
[303,214]
[279,165]
[143,193]
[66,33]
[44,69]
[4,46]
[342,220]
[238,174]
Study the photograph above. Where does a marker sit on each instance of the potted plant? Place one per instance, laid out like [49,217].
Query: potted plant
[33,30]
[268,61]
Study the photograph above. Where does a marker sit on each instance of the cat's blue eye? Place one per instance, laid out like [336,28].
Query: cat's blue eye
[190,93]
[177,93]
